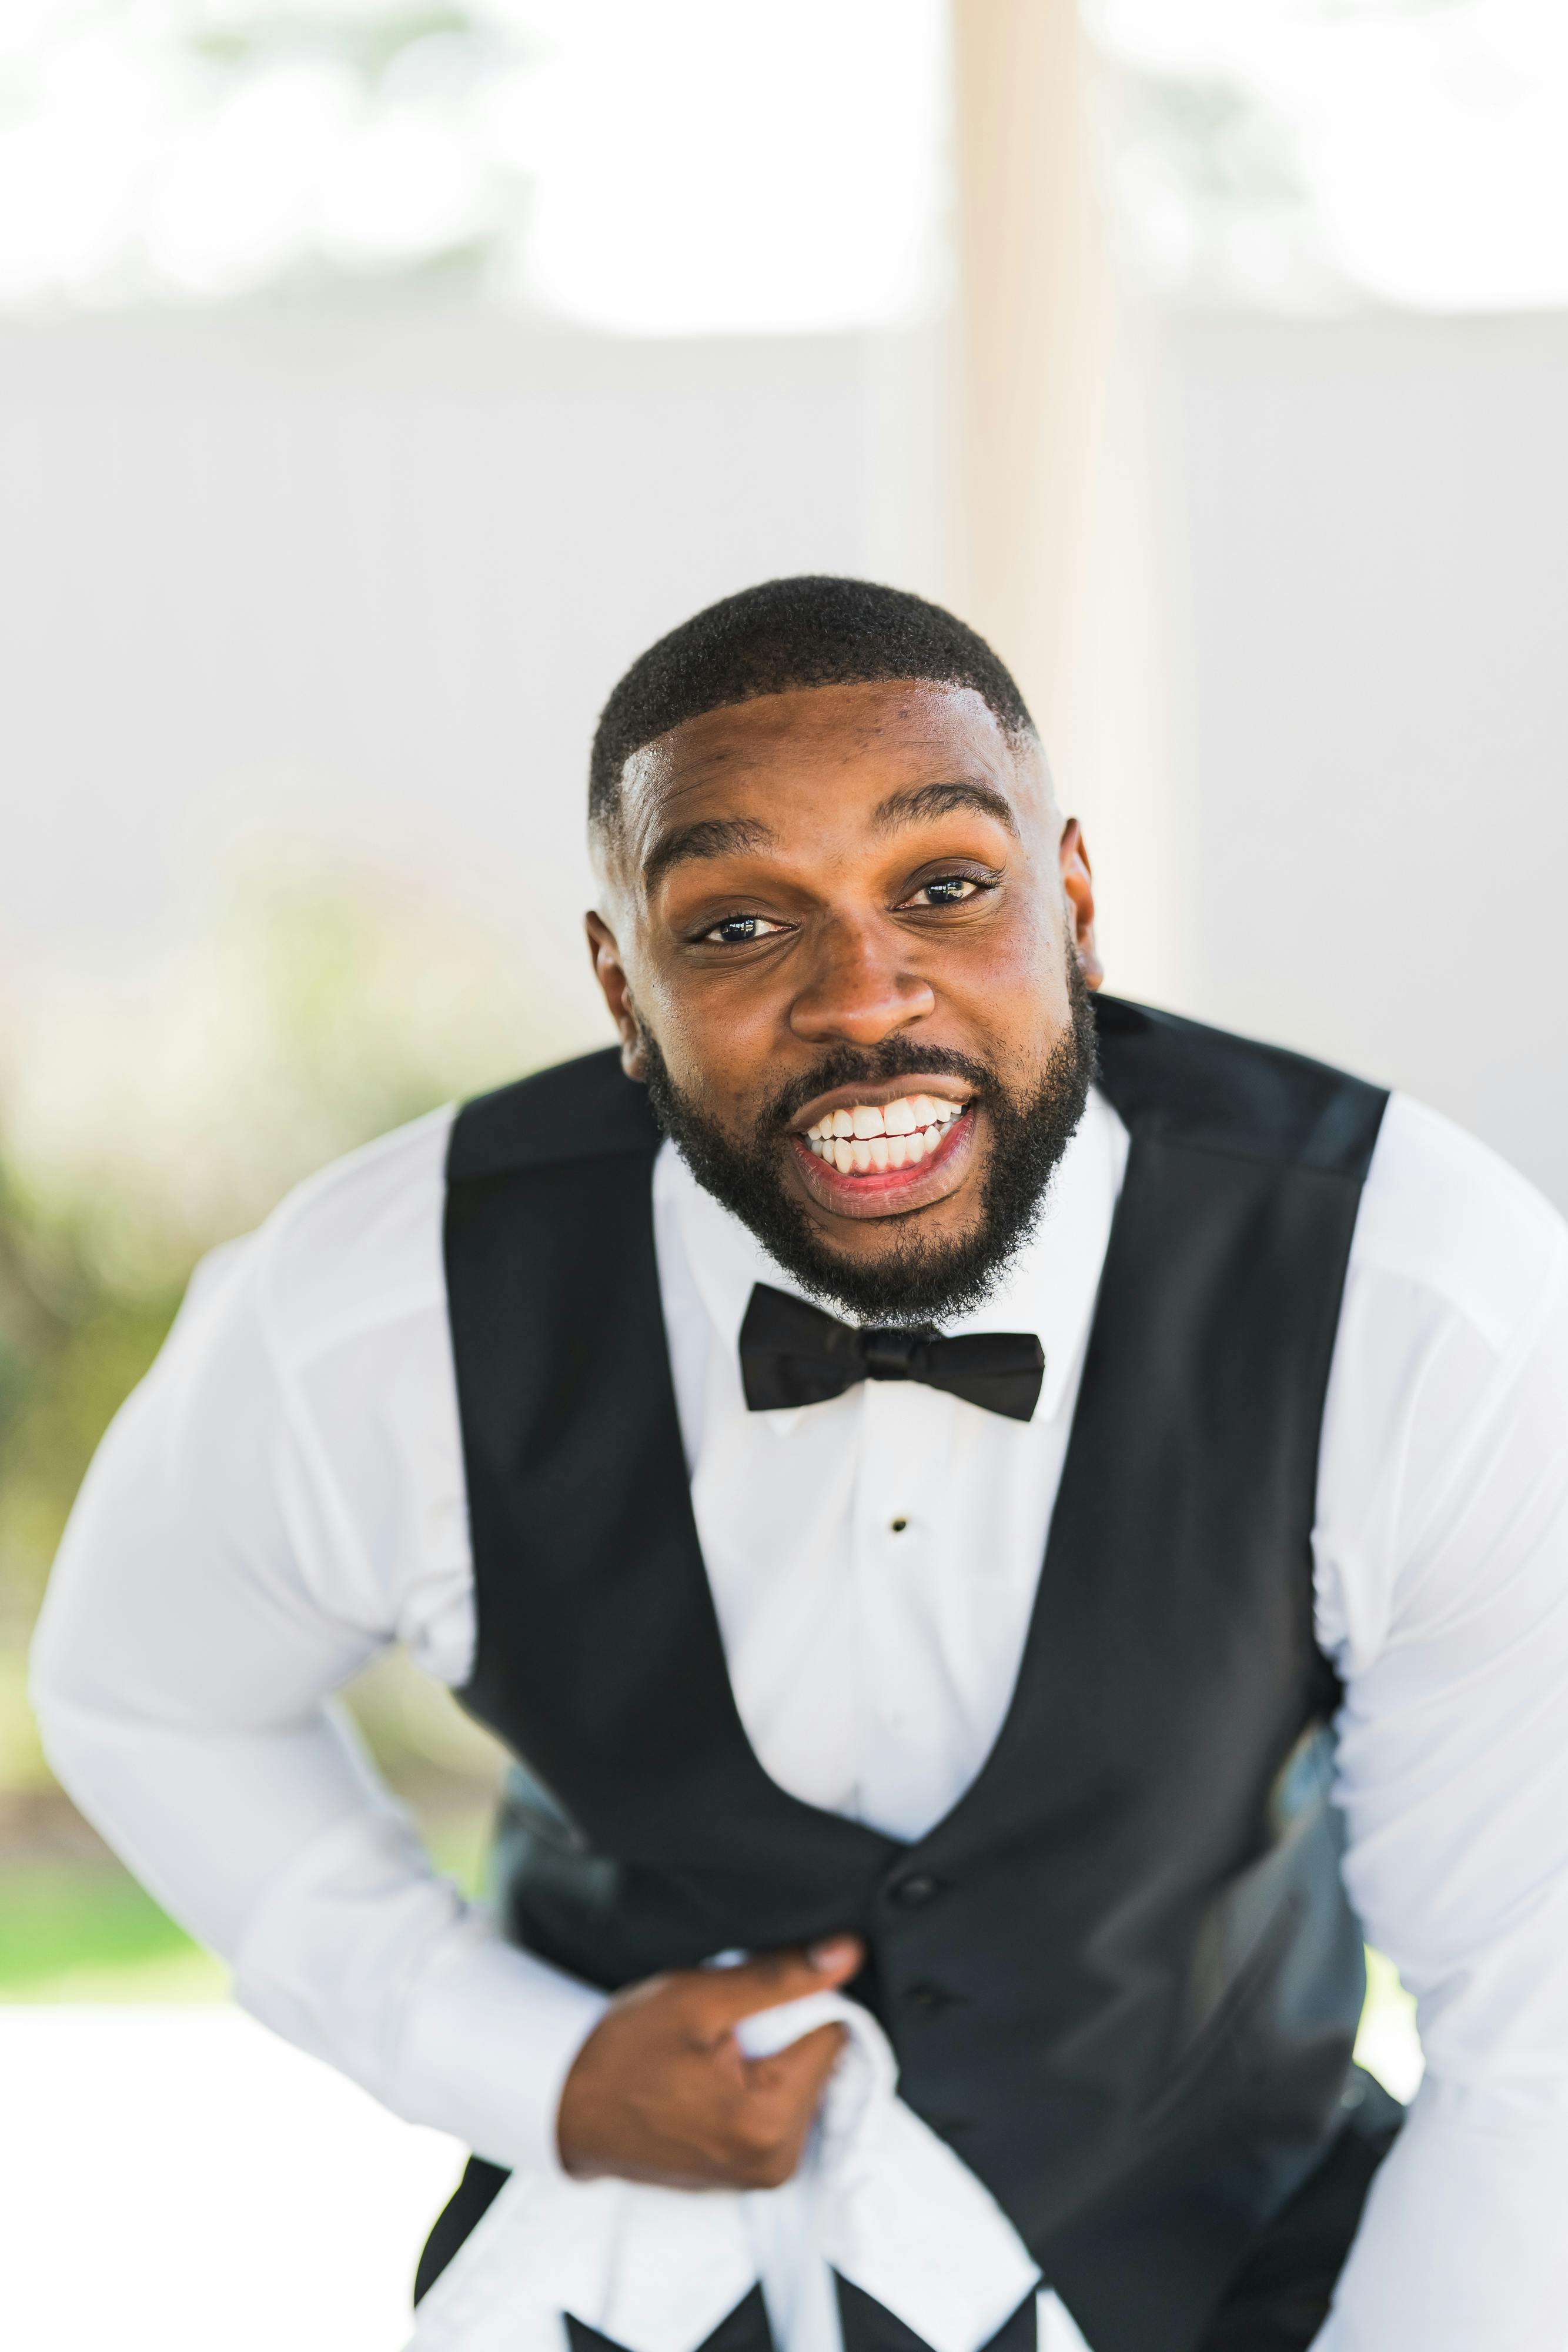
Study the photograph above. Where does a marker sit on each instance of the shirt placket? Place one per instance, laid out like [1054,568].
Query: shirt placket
[894,1542]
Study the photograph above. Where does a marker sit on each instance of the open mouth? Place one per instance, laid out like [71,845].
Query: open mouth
[876,1139]
[884,1158]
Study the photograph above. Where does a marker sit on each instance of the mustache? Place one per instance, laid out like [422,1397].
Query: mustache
[851,1065]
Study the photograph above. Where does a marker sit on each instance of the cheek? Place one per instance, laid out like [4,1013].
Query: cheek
[1018,972]
[1013,999]
[715,1046]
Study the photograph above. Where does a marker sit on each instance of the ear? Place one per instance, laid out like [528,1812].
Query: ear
[1078,883]
[610,975]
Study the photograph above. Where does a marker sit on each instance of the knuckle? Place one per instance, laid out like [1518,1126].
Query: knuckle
[691,1998]
[661,1995]
[767,2136]
[758,2137]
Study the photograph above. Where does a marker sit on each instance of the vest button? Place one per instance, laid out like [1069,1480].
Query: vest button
[919,1888]
[928,1997]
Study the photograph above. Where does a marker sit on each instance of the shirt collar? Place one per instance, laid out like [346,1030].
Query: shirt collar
[1050,1288]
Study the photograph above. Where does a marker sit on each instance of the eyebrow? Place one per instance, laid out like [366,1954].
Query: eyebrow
[710,836]
[732,836]
[936,800]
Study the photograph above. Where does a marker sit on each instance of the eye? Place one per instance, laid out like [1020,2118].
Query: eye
[740,931]
[946,890]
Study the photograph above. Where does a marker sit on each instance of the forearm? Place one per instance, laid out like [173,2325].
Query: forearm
[365,1955]
[1462,2243]
[280,1850]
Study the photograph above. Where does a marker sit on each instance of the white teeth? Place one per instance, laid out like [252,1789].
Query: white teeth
[880,1136]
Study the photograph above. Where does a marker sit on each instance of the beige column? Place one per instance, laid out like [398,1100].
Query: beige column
[1032,325]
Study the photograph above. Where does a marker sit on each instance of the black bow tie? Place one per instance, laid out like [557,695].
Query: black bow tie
[794,1354]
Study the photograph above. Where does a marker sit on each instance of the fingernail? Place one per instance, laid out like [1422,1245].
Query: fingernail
[831,1952]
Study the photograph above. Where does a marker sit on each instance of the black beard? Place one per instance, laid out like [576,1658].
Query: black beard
[918,1281]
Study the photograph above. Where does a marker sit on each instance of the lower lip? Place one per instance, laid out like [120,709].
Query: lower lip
[881,1193]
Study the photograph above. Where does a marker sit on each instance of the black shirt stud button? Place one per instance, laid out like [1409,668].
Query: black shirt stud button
[918,1888]
[928,1997]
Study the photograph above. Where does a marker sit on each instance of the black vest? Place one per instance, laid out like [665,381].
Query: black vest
[1121,1977]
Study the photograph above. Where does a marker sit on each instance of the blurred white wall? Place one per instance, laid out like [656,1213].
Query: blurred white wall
[372,566]
[1371,546]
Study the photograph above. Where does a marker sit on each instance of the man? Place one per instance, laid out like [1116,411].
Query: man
[718,1473]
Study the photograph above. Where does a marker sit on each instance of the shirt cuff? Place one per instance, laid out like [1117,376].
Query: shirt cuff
[489,2041]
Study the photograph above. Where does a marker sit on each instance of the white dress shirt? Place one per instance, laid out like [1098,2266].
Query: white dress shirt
[284,1496]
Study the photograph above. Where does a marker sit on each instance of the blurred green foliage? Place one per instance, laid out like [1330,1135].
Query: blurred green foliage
[369,39]
[140,1125]
[70,1931]
[71,1355]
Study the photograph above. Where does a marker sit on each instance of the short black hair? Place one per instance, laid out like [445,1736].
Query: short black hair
[783,635]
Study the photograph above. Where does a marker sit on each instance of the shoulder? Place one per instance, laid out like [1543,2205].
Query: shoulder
[586,1109]
[1443,1213]
[1175,1080]
[1443,1470]
[356,1246]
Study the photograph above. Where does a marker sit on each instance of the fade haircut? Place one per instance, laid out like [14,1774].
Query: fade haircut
[784,635]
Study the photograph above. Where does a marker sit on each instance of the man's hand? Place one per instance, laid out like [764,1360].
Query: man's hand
[661,2092]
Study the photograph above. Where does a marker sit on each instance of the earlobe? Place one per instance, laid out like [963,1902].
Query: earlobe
[1078,887]
[633,1058]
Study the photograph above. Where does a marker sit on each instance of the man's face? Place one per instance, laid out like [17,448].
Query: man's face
[841,936]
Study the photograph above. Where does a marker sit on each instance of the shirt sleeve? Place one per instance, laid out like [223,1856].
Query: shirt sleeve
[1443,1592]
[208,1600]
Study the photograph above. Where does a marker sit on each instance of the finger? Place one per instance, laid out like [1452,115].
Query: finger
[722,1997]
[795,2076]
[769,2127]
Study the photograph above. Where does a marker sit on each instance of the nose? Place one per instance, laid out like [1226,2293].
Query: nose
[857,992]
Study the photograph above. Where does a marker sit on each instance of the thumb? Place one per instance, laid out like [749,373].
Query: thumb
[772,1978]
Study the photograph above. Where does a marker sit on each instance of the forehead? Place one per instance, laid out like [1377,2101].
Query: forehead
[789,755]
